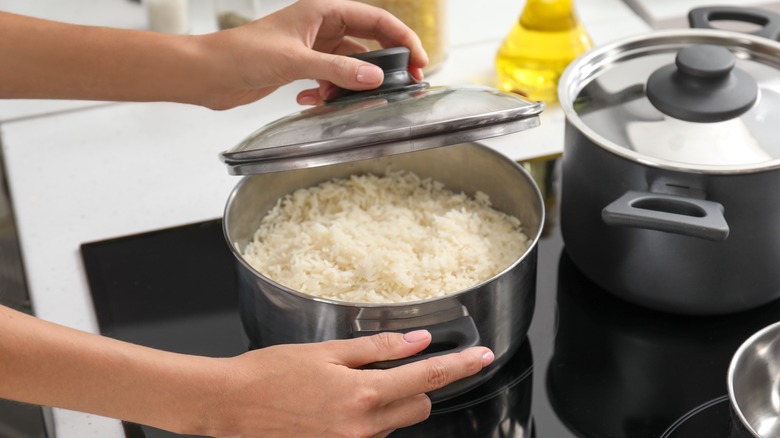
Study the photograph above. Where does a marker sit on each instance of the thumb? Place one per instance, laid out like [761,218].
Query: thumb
[346,72]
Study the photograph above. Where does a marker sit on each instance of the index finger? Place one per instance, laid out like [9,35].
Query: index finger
[364,21]
[433,373]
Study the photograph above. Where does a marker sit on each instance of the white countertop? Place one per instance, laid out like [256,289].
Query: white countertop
[665,14]
[86,171]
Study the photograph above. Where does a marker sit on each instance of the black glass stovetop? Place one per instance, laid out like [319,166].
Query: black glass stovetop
[592,365]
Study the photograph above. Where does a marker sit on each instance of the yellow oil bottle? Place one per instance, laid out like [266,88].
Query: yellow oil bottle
[544,40]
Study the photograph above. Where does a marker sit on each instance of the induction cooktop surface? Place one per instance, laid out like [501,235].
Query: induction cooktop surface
[591,366]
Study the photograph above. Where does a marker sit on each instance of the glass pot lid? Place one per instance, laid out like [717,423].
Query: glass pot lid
[400,116]
[698,99]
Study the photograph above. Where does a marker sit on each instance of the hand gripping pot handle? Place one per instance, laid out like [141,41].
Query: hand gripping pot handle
[446,337]
[674,214]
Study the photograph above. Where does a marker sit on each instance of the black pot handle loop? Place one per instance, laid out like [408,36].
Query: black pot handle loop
[702,18]
[446,337]
[673,214]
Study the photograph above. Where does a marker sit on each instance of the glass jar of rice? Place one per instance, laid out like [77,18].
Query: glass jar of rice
[427,18]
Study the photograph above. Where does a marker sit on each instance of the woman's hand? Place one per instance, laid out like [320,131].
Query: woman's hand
[318,389]
[220,70]
[303,390]
[306,41]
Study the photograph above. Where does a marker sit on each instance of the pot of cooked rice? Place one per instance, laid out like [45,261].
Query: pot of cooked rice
[377,211]
[443,239]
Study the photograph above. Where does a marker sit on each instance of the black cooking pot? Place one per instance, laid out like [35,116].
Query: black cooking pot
[671,181]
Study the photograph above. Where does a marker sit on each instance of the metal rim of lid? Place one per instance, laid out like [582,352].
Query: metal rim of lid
[332,151]
[405,145]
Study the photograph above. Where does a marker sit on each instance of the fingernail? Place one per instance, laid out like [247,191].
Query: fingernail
[416,336]
[487,358]
[369,74]
[307,100]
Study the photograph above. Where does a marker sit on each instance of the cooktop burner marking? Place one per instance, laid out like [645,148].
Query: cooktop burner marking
[485,397]
[693,412]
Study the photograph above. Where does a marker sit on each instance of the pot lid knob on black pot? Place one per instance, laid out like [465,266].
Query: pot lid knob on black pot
[703,85]
[400,116]
[690,99]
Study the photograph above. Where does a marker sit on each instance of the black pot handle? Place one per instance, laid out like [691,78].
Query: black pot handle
[674,214]
[446,337]
[702,18]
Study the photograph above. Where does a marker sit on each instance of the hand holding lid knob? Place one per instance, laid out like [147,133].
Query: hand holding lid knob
[703,85]
[394,62]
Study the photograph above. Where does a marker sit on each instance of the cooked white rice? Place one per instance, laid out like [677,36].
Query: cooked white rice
[388,239]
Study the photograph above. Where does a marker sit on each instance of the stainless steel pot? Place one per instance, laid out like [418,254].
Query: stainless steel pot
[495,313]
[670,175]
[753,385]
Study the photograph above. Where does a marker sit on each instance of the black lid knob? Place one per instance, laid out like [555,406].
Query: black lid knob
[705,61]
[389,60]
[703,85]
[394,62]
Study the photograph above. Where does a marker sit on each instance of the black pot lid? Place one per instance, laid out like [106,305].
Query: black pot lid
[401,116]
[692,99]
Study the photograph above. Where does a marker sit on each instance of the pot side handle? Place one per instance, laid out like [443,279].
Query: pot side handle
[673,214]
[446,337]
[702,18]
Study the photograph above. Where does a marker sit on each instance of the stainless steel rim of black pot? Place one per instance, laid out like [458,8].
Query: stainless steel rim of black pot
[588,66]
